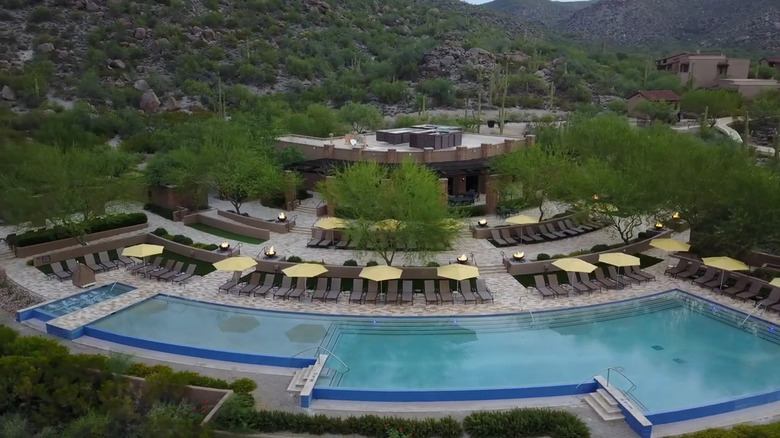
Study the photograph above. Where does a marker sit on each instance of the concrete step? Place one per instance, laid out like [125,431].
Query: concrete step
[299,379]
[301,230]
[608,398]
[603,407]
[492,269]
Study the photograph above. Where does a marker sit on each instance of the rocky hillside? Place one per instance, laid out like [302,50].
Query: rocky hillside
[545,12]
[753,24]
[167,53]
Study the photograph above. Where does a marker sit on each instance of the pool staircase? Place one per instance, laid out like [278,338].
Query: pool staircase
[304,374]
[605,405]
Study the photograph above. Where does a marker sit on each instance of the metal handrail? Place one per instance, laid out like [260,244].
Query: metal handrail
[618,370]
[318,348]
[474,259]
[758,307]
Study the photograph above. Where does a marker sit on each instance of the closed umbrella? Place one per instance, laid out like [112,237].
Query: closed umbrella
[671,245]
[305,270]
[574,265]
[724,264]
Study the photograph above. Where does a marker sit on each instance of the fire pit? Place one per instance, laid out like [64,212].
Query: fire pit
[518,256]
[463,259]
[282,217]
[270,253]
[224,246]
[482,222]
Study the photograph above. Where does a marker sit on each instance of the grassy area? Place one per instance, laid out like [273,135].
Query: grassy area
[203,268]
[227,234]
[644,260]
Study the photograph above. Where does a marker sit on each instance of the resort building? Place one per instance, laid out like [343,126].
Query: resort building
[704,70]
[771,61]
[666,96]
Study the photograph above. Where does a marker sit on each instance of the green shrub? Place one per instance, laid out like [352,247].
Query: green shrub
[160,231]
[470,210]
[112,222]
[525,423]
[350,262]
[243,386]
[294,259]
[642,235]
[184,240]
[372,263]
[599,247]
[433,265]
[542,256]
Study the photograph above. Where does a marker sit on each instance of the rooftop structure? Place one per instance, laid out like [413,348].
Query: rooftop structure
[704,70]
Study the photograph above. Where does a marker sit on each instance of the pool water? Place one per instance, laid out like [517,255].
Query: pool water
[80,301]
[677,350]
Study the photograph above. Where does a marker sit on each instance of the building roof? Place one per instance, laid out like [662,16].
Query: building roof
[775,58]
[658,95]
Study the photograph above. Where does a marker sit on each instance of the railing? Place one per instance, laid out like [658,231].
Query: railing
[758,307]
[474,259]
[318,348]
[618,370]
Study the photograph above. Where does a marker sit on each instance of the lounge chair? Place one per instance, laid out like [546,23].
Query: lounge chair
[167,268]
[640,272]
[507,236]
[284,288]
[392,295]
[334,291]
[692,271]
[189,273]
[298,290]
[740,286]
[552,282]
[629,274]
[327,240]
[343,243]
[497,239]
[466,292]
[542,287]
[564,228]
[165,275]
[546,234]
[320,290]
[445,292]
[682,266]
[268,284]
[407,292]
[606,282]
[135,270]
[577,228]
[125,260]
[153,267]
[254,281]
[527,234]
[356,294]
[57,271]
[753,291]
[482,290]
[176,272]
[772,299]
[585,279]
[226,286]
[429,290]
[551,229]
[372,292]
[614,276]
[318,237]
[89,260]
[716,282]
[106,261]
[577,285]
[708,276]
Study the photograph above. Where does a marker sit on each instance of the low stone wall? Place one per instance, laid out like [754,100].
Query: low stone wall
[486,233]
[224,225]
[28,251]
[272,226]
[188,251]
[80,251]
[546,266]
[762,260]
[194,394]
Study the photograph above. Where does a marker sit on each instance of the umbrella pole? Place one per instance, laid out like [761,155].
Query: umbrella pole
[722,276]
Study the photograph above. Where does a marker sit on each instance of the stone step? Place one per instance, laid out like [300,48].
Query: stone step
[608,398]
[603,408]
[299,379]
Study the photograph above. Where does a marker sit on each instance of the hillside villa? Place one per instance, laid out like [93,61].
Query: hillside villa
[771,61]
[666,96]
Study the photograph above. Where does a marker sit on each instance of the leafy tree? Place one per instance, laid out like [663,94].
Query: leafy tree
[717,103]
[317,121]
[391,209]
[361,117]
[656,110]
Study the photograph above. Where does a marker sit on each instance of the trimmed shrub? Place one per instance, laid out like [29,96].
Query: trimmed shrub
[599,247]
[160,231]
[525,423]
[642,235]
[243,386]
[350,262]
[542,256]
[45,235]
[294,259]
[372,263]
[433,265]
[184,240]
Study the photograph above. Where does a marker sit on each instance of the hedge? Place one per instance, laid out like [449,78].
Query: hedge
[59,232]
[740,431]
[238,414]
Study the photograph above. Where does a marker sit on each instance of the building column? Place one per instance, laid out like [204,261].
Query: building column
[491,193]
[459,185]
[443,187]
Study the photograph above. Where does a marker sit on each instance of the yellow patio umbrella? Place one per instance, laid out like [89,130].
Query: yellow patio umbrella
[381,273]
[143,250]
[521,219]
[388,225]
[670,245]
[457,272]
[775,282]
[235,264]
[619,259]
[331,223]
[724,264]
[305,270]
[574,265]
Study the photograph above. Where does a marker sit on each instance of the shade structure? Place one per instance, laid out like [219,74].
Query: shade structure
[619,259]
[775,282]
[235,264]
[143,250]
[521,219]
[725,263]
[305,270]
[457,272]
[670,244]
[381,273]
[574,265]
[331,223]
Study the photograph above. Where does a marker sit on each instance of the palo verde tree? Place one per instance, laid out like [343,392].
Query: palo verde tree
[392,209]
[360,117]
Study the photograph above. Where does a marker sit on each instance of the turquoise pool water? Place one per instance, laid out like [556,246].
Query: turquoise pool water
[679,351]
[78,301]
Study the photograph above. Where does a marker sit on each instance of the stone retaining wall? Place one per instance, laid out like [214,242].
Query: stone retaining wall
[231,227]
[27,251]
[272,226]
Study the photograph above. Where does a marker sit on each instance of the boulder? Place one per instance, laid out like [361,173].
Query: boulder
[208,34]
[316,5]
[45,47]
[5,65]
[149,102]
[172,104]
[195,105]
[139,33]
[114,3]
[159,45]
[141,85]
[62,54]
[196,30]
[117,64]
[92,7]
[7,93]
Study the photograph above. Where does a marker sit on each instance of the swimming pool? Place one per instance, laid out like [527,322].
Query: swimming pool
[679,351]
[64,306]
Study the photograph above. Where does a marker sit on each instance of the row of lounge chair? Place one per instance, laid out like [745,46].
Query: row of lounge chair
[173,271]
[737,287]
[103,263]
[361,292]
[509,236]
[324,239]
[582,283]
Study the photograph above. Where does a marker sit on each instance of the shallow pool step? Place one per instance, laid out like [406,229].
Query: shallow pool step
[605,405]
[299,379]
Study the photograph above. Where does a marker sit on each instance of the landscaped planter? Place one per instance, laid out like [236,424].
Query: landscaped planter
[197,395]
[270,225]
[31,250]
[189,251]
[244,230]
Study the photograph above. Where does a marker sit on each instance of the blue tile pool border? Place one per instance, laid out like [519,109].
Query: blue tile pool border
[356,394]
[37,312]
